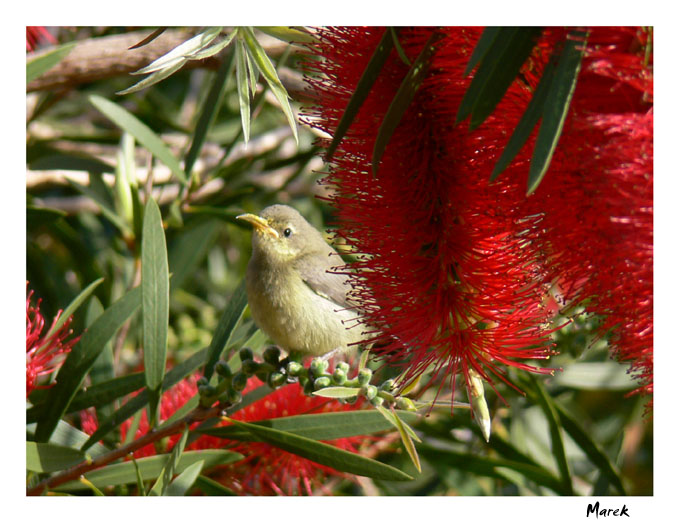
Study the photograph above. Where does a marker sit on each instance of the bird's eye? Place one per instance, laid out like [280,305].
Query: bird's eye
[287,232]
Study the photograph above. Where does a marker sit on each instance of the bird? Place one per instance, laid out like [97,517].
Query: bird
[294,296]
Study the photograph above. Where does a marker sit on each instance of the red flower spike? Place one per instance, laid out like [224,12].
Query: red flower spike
[44,354]
[446,275]
[35,34]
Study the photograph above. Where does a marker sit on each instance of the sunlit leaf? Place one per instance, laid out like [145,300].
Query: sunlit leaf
[38,66]
[243,89]
[45,457]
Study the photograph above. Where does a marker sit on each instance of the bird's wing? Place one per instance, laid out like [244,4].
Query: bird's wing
[320,278]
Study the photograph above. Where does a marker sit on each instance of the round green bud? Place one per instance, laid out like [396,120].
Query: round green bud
[308,386]
[249,367]
[377,401]
[318,366]
[246,354]
[364,376]
[339,377]
[343,366]
[369,391]
[321,382]
[202,382]
[387,385]
[404,403]
[207,390]
[233,396]
[239,381]
[223,369]
[276,379]
[272,355]
[294,369]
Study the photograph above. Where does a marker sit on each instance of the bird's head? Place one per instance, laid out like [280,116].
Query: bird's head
[281,234]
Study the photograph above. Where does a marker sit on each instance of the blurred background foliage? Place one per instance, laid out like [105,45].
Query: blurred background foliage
[87,181]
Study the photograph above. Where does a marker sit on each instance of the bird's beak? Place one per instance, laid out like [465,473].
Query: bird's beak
[260,224]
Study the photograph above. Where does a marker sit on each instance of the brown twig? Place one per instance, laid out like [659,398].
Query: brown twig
[199,414]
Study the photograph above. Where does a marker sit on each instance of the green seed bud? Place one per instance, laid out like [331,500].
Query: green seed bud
[239,381]
[294,369]
[369,391]
[206,401]
[276,379]
[387,385]
[364,376]
[246,354]
[339,377]
[321,382]
[233,396]
[377,401]
[223,370]
[342,366]
[272,355]
[404,403]
[202,382]
[249,367]
[318,366]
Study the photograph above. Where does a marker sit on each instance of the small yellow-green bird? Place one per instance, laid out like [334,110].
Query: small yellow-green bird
[294,296]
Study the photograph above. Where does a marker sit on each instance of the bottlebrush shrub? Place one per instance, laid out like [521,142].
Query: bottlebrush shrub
[453,270]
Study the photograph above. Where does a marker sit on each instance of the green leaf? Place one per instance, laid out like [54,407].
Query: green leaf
[213,488]
[324,454]
[39,216]
[337,392]
[163,481]
[319,426]
[498,69]
[362,90]
[142,133]
[155,34]
[184,481]
[596,455]
[64,161]
[105,392]
[484,43]
[405,436]
[270,75]
[40,65]
[189,249]
[102,369]
[608,375]
[154,78]
[43,457]
[66,435]
[74,305]
[558,448]
[213,49]
[489,467]
[243,90]
[289,34]
[397,45]
[227,323]
[155,292]
[82,357]
[181,52]
[403,97]
[556,107]
[528,121]
[136,403]
[150,468]
[209,111]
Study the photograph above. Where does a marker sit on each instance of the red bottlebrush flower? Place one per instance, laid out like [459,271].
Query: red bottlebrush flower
[597,199]
[268,470]
[34,34]
[44,353]
[445,270]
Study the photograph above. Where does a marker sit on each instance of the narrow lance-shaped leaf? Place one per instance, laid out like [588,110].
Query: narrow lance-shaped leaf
[324,454]
[82,357]
[556,107]
[44,457]
[227,323]
[43,63]
[181,485]
[73,305]
[527,123]
[155,77]
[243,89]
[362,90]
[405,94]
[170,467]
[142,133]
[269,72]
[155,289]
[484,43]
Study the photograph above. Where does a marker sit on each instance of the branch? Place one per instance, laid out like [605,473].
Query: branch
[109,56]
[199,414]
